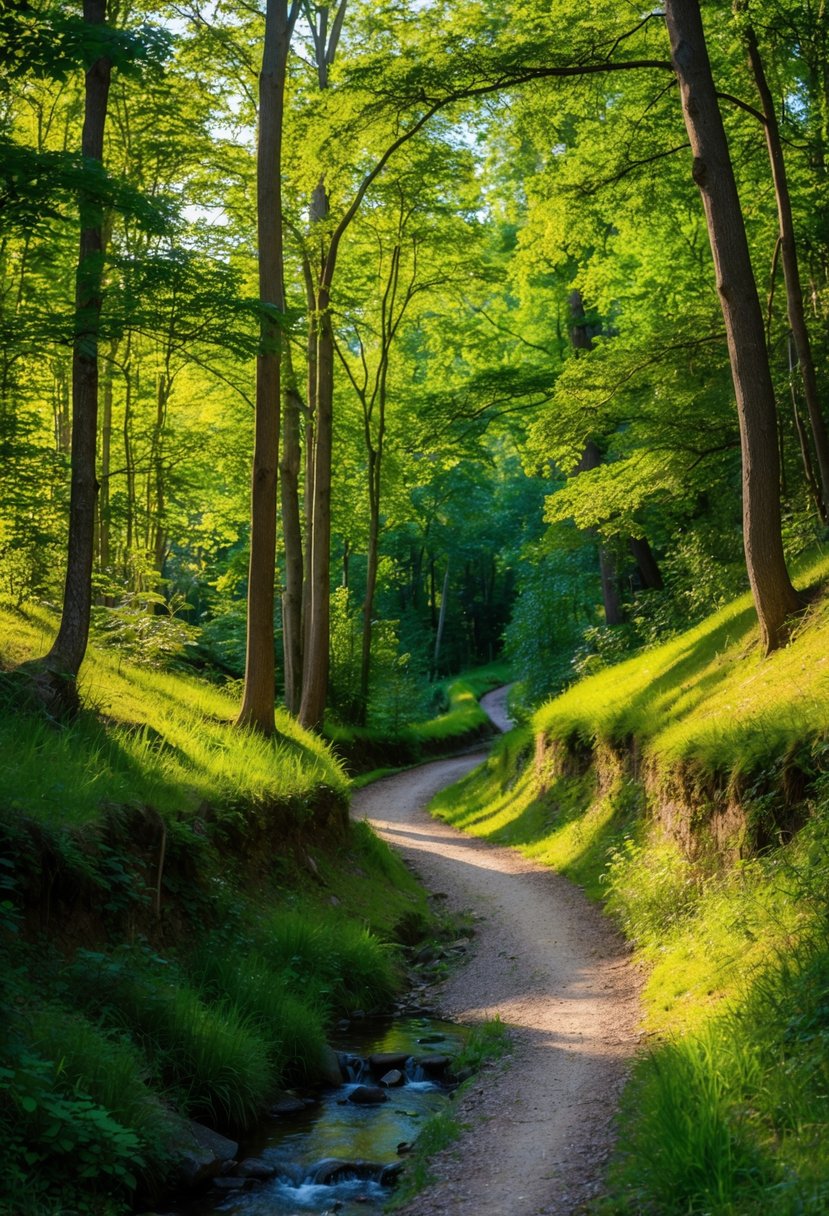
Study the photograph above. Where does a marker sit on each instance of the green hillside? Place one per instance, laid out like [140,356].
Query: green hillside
[184,910]
[686,787]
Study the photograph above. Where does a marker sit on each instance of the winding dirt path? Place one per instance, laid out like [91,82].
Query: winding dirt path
[549,964]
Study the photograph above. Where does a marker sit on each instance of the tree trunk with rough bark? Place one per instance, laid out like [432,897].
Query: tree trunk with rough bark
[316,665]
[791,270]
[291,534]
[66,655]
[258,699]
[774,596]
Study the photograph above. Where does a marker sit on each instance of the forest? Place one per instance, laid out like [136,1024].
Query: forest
[436,282]
[356,358]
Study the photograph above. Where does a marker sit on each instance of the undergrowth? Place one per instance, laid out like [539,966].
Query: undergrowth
[177,930]
[459,721]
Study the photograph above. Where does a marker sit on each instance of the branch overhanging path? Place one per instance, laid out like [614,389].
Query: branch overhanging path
[548,963]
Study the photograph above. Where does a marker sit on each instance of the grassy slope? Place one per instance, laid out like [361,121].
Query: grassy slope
[730,1112]
[206,1002]
[147,738]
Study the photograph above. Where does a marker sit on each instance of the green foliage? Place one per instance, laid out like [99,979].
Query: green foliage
[68,1127]
[704,699]
[438,1133]
[487,1042]
[210,1055]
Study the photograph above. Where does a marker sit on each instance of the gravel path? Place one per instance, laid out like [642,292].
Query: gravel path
[549,964]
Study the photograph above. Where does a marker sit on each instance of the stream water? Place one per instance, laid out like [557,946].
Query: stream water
[340,1156]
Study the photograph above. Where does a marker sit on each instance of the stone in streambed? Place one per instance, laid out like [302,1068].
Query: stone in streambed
[383,1061]
[433,1065]
[231,1183]
[333,1170]
[201,1152]
[286,1105]
[255,1167]
[368,1095]
[392,1079]
[329,1067]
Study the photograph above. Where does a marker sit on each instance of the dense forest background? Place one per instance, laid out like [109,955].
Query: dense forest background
[449,264]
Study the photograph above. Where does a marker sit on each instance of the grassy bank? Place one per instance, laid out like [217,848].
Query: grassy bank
[184,910]
[460,722]
[686,788]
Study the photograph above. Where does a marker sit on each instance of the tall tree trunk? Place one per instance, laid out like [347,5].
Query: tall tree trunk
[441,620]
[372,557]
[791,270]
[774,596]
[647,563]
[291,534]
[69,647]
[105,524]
[802,439]
[258,699]
[315,668]
[582,339]
[129,459]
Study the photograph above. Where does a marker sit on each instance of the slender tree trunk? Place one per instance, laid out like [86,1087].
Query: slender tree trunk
[129,460]
[291,534]
[791,270]
[310,445]
[802,439]
[372,558]
[582,339]
[258,698]
[647,563]
[315,672]
[774,596]
[69,647]
[105,525]
[441,621]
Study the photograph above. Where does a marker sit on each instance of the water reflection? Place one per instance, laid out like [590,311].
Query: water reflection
[301,1146]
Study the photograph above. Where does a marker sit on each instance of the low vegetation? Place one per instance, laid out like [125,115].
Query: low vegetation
[685,787]
[183,912]
[458,721]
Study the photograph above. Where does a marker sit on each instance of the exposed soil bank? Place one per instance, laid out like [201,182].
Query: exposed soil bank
[550,965]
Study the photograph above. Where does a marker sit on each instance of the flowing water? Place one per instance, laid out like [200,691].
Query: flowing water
[341,1157]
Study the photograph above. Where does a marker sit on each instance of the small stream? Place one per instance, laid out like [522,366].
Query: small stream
[340,1155]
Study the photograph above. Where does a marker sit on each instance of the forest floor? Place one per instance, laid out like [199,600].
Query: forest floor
[538,1126]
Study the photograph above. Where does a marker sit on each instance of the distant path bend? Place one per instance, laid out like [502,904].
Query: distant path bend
[550,965]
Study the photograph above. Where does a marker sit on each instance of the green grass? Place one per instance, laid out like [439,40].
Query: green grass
[146,738]
[728,1111]
[708,698]
[373,753]
[270,924]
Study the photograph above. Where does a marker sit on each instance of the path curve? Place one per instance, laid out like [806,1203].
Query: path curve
[494,705]
[550,965]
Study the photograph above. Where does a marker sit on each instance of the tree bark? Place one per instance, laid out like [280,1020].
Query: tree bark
[258,699]
[441,620]
[791,270]
[774,596]
[105,524]
[291,534]
[648,566]
[316,665]
[68,650]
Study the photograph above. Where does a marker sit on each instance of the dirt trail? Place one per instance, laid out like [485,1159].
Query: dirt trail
[550,965]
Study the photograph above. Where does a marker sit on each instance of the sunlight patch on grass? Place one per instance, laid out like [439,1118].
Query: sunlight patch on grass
[147,738]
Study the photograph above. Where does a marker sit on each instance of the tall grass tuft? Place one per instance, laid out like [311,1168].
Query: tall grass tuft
[209,1057]
[337,962]
[292,1027]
